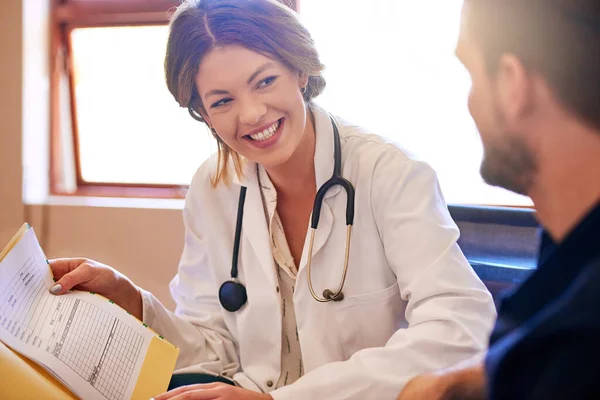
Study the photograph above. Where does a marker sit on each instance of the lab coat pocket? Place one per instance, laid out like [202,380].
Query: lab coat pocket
[370,319]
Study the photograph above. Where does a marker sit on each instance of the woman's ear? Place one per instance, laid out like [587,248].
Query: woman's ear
[302,79]
[205,116]
[199,105]
[199,115]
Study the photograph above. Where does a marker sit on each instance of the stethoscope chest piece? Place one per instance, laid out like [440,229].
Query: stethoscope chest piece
[232,295]
[329,295]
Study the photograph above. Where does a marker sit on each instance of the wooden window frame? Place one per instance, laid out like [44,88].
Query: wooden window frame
[67,15]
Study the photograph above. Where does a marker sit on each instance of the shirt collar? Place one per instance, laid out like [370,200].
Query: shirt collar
[324,146]
[578,247]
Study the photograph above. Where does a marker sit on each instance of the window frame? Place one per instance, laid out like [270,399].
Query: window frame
[68,15]
[492,226]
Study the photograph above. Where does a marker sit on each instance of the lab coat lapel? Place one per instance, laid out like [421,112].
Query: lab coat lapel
[254,224]
[324,162]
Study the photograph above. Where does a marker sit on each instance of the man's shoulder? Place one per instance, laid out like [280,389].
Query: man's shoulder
[577,309]
[549,356]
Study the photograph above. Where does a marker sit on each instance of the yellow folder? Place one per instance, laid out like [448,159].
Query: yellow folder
[22,378]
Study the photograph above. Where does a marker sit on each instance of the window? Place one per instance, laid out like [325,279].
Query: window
[130,129]
[115,126]
[394,73]
[391,68]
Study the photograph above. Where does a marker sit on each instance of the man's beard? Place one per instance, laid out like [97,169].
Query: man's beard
[509,163]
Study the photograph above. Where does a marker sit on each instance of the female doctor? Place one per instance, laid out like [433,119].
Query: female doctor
[349,310]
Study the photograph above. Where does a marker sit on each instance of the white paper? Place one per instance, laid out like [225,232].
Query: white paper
[91,345]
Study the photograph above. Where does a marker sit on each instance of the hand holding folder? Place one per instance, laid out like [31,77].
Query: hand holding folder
[78,344]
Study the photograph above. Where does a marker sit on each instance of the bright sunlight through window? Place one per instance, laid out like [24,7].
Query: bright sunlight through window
[390,67]
[130,129]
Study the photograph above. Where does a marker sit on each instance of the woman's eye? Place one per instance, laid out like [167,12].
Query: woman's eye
[220,103]
[266,82]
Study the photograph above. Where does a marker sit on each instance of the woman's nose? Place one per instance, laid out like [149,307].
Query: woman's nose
[252,112]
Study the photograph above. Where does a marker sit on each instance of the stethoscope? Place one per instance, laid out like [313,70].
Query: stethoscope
[232,293]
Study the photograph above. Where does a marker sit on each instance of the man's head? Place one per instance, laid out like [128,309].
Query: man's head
[534,65]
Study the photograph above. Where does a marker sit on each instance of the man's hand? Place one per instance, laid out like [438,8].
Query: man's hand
[425,387]
[465,384]
[212,391]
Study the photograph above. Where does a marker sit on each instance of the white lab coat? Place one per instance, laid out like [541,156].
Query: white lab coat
[412,302]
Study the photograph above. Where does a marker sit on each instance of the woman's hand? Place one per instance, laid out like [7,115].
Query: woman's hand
[92,276]
[212,391]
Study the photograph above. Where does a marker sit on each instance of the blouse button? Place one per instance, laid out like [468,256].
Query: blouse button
[270,383]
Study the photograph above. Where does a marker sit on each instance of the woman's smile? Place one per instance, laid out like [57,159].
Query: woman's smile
[266,136]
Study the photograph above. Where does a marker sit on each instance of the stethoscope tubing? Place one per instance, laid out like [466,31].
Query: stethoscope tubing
[232,294]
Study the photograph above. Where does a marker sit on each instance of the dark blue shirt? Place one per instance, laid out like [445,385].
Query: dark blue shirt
[546,342]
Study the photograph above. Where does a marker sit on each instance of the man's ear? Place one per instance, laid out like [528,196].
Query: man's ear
[514,88]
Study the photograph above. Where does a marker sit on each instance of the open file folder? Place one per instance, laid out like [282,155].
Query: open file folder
[78,344]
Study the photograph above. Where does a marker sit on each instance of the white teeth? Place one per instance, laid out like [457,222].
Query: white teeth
[266,134]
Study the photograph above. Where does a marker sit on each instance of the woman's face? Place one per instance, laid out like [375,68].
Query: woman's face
[253,102]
